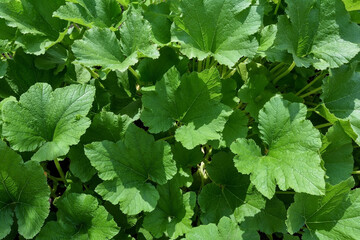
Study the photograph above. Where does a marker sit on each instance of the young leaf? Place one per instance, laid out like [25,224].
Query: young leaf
[223,29]
[79,217]
[126,167]
[48,121]
[333,216]
[99,13]
[24,193]
[292,157]
[193,103]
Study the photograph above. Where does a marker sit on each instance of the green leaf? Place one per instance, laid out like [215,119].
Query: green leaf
[152,70]
[337,155]
[2,102]
[341,96]
[318,33]
[34,20]
[255,92]
[128,165]
[352,5]
[3,68]
[270,220]
[47,121]
[24,193]
[104,126]
[90,13]
[157,15]
[229,192]
[292,157]
[107,126]
[223,29]
[193,103]
[333,216]
[236,127]
[173,212]
[80,217]
[7,36]
[79,164]
[22,74]
[225,230]
[100,47]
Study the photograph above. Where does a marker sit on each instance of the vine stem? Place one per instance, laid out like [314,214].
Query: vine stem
[311,92]
[58,167]
[284,73]
[356,172]
[320,76]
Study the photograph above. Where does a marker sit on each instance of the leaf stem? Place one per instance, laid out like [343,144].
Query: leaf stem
[316,90]
[284,73]
[356,172]
[277,67]
[207,65]
[6,55]
[58,167]
[323,125]
[208,153]
[320,76]
[199,65]
[166,138]
[93,74]
[285,192]
[136,75]
[277,7]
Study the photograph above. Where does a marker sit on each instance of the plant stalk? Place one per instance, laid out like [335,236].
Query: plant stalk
[284,73]
[323,125]
[58,167]
[316,90]
[311,83]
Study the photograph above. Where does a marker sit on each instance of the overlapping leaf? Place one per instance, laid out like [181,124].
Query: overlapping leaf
[318,33]
[229,192]
[104,13]
[79,216]
[173,213]
[341,96]
[116,54]
[24,194]
[34,20]
[192,103]
[226,229]
[128,165]
[333,216]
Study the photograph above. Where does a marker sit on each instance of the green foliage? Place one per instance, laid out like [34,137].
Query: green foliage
[179,119]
